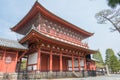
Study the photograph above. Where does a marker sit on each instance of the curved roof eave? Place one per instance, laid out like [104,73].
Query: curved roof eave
[33,31]
[39,8]
[11,44]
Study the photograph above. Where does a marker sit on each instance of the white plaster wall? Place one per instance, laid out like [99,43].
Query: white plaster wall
[33,67]
[82,62]
[32,58]
[70,65]
[76,63]
[29,68]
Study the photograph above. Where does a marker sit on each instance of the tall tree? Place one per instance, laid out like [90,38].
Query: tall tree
[23,64]
[118,53]
[109,15]
[98,57]
[114,64]
[109,53]
[113,3]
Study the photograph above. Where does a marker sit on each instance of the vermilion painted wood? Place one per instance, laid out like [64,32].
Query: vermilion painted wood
[8,67]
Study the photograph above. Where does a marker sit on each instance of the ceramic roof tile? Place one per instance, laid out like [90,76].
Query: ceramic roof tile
[11,44]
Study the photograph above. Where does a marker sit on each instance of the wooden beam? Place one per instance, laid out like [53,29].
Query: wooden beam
[4,55]
[72,63]
[61,68]
[51,61]
[22,55]
[79,63]
[39,60]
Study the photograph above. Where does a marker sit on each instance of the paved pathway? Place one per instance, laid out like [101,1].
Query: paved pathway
[111,77]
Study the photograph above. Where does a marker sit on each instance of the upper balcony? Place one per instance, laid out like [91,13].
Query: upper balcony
[61,35]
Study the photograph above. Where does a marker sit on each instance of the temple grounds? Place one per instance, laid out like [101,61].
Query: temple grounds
[111,77]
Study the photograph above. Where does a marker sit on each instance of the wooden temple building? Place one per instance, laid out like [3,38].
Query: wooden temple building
[49,44]
[9,52]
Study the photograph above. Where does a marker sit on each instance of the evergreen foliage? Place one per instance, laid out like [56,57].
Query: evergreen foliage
[112,61]
[98,57]
[113,3]
[109,53]
[114,64]
[109,15]
[23,64]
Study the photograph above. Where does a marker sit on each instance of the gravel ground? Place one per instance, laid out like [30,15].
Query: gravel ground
[111,77]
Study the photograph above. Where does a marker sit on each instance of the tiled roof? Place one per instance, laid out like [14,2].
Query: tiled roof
[58,39]
[11,44]
[61,40]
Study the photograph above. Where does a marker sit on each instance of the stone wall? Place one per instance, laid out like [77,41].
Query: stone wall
[10,76]
[44,75]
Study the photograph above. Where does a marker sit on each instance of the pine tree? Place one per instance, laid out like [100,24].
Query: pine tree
[113,3]
[112,61]
[109,53]
[98,57]
[114,64]
[23,64]
[111,16]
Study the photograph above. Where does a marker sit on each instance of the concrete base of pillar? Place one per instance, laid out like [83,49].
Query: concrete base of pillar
[37,71]
[50,74]
[5,76]
[61,71]
[51,71]
[60,74]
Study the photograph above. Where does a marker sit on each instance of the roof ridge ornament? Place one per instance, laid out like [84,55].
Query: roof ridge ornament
[37,7]
[33,26]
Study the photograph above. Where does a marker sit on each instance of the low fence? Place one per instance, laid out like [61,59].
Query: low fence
[42,75]
[58,74]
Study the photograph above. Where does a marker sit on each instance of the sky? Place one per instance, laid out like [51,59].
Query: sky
[78,12]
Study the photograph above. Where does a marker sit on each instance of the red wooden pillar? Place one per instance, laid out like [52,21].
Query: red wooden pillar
[19,69]
[51,61]
[85,64]
[39,60]
[3,61]
[27,63]
[16,60]
[4,56]
[79,63]
[72,63]
[94,66]
[61,62]
[16,56]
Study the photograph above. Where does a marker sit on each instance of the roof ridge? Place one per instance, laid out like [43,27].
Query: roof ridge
[11,44]
[37,7]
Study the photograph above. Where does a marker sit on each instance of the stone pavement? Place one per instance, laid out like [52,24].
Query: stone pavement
[111,77]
